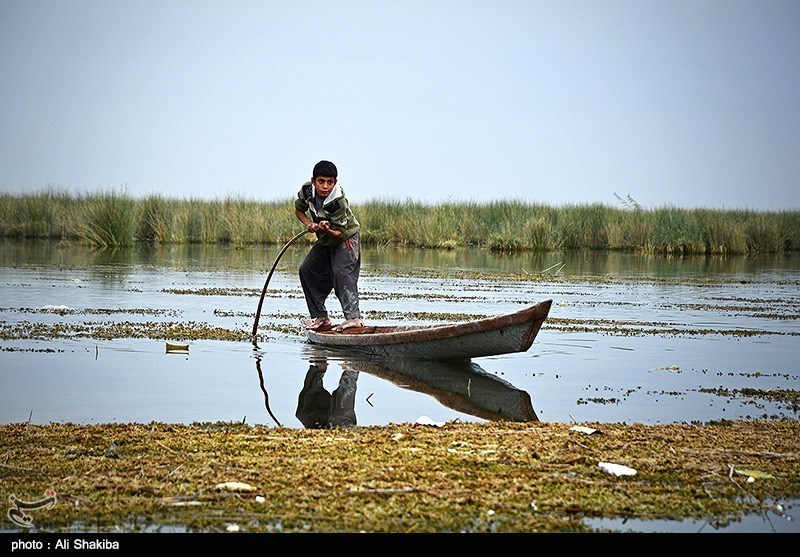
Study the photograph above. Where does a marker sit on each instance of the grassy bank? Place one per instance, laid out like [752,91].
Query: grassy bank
[115,219]
[493,477]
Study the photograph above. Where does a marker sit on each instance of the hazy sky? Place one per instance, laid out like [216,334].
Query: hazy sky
[673,102]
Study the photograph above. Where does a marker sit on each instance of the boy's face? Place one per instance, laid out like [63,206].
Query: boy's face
[324,185]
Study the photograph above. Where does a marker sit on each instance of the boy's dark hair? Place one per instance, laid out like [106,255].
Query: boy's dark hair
[325,168]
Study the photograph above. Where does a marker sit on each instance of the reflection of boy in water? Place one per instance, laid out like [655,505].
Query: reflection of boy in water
[317,408]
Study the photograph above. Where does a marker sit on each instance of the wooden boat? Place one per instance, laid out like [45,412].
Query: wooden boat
[491,336]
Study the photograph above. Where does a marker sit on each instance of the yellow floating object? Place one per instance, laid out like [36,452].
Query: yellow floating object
[177,347]
[753,473]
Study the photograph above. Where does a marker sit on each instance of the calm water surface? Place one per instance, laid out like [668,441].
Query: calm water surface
[629,338]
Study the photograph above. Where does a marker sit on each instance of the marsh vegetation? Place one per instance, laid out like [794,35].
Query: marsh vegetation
[115,219]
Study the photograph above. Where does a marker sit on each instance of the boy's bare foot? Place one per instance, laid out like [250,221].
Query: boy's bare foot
[318,323]
[352,323]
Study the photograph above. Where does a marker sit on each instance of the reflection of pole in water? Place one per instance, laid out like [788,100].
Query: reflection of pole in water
[264,390]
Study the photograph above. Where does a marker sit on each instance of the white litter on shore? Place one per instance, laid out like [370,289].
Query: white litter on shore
[583,429]
[425,420]
[235,486]
[616,469]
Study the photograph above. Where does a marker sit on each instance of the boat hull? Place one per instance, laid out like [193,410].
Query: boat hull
[492,336]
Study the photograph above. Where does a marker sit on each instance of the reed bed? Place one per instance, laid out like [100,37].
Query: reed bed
[115,219]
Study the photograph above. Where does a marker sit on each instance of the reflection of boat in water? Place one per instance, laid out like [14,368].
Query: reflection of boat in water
[502,334]
[461,385]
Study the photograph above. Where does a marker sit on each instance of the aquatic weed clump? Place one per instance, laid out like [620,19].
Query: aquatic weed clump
[493,477]
[114,330]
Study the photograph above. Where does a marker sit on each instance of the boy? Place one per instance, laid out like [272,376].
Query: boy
[334,261]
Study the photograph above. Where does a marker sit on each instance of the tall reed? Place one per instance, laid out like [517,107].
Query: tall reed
[157,220]
[44,214]
[109,220]
[242,222]
[116,219]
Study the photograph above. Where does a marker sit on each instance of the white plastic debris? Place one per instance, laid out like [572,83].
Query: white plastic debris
[57,309]
[425,420]
[616,469]
[260,499]
[235,486]
[668,368]
[583,429]
[232,528]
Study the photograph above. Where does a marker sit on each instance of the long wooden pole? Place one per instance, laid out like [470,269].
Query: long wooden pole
[269,276]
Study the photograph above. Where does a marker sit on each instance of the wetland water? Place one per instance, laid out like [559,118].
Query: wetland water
[629,338]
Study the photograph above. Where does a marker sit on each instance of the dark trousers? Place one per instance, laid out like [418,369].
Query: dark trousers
[332,268]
